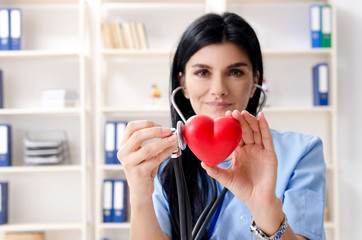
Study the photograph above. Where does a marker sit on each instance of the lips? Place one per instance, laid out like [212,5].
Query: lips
[218,105]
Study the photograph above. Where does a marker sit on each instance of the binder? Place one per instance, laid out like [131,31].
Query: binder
[1,90]
[15,28]
[320,84]
[113,134]
[315,25]
[107,200]
[109,142]
[326,26]
[119,210]
[4,29]
[4,202]
[5,145]
[120,128]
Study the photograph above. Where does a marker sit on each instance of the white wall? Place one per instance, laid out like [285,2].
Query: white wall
[349,27]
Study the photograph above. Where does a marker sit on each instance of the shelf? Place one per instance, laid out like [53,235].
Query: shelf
[320,109]
[23,2]
[276,1]
[38,169]
[130,53]
[111,167]
[38,54]
[125,225]
[152,53]
[297,52]
[329,225]
[153,1]
[40,111]
[25,227]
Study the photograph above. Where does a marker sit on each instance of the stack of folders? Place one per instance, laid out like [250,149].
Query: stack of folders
[10,29]
[4,189]
[45,148]
[321,25]
[1,89]
[58,98]
[320,84]
[114,200]
[113,134]
[128,35]
[5,145]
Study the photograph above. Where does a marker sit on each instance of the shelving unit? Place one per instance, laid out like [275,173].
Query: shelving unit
[287,64]
[57,196]
[62,56]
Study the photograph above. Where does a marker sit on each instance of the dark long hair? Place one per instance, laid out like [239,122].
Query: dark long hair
[208,29]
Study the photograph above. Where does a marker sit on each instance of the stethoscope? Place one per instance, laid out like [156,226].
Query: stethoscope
[185,216]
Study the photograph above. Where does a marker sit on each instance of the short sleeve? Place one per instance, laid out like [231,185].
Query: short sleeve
[161,207]
[304,197]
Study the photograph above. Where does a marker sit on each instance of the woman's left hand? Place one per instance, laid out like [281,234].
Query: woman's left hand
[253,173]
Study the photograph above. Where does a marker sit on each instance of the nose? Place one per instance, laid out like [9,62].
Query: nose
[218,86]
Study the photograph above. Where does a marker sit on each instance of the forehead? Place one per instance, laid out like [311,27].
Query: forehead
[220,55]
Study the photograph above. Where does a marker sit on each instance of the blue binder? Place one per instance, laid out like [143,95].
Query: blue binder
[1,90]
[315,25]
[119,210]
[15,28]
[320,84]
[5,145]
[120,128]
[110,142]
[107,200]
[113,134]
[4,29]
[4,202]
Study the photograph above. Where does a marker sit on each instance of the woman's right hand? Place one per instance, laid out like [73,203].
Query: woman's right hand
[140,163]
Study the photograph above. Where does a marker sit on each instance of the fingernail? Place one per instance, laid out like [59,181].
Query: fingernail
[172,138]
[164,129]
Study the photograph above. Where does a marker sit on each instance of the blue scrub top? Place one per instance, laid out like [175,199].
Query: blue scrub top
[301,185]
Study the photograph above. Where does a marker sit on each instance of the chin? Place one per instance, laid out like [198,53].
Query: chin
[216,114]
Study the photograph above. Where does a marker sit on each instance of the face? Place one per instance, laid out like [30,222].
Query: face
[218,77]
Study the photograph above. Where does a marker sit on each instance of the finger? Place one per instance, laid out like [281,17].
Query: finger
[218,173]
[265,132]
[153,149]
[135,126]
[254,125]
[228,113]
[138,137]
[156,160]
[248,134]
[236,114]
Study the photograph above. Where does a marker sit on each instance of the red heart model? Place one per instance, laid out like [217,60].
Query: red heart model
[212,140]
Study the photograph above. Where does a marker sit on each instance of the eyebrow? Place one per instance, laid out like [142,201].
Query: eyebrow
[238,64]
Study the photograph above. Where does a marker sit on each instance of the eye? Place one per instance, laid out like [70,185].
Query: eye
[202,73]
[236,72]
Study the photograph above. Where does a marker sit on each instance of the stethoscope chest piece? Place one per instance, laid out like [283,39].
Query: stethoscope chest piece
[180,135]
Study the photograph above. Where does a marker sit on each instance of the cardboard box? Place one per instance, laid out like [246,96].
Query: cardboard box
[25,236]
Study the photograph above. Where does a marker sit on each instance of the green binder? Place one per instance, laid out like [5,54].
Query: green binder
[326,25]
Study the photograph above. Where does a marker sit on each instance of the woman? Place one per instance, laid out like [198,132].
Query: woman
[276,180]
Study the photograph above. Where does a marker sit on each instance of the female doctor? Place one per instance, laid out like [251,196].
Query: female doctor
[275,179]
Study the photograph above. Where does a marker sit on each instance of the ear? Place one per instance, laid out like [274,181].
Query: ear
[181,79]
[255,81]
